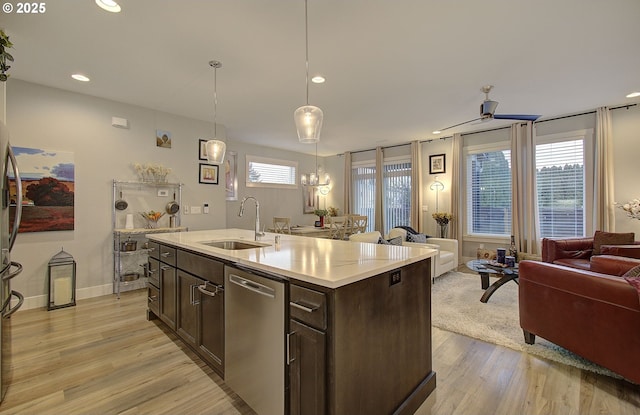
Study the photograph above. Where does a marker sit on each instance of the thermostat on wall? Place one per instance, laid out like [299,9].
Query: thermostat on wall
[163,193]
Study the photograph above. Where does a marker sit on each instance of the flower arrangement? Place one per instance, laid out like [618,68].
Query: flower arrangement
[152,172]
[632,208]
[442,218]
[333,211]
[321,212]
[152,218]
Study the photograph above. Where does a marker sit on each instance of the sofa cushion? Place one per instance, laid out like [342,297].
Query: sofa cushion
[445,257]
[393,241]
[397,232]
[611,238]
[417,238]
[629,251]
[577,263]
[633,277]
[369,237]
[613,265]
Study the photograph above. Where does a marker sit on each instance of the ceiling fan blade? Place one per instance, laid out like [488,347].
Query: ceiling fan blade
[462,123]
[523,117]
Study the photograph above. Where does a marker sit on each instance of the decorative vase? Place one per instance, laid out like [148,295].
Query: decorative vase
[444,227]
[321,221]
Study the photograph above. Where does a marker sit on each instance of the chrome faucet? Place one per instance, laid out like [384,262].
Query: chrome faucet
[257,230]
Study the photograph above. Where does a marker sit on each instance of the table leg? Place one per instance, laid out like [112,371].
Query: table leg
[484,279]
[503,280]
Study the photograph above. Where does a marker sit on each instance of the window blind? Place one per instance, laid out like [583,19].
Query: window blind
[363,179]
[489,193]
[560,179]
[263,172]
[397,194]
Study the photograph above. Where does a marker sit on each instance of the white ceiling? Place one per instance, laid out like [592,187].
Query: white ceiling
[396,70]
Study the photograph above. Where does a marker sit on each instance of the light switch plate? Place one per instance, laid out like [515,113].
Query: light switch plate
[163,193]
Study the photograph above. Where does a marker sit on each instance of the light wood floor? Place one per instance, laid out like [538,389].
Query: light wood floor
[104,357]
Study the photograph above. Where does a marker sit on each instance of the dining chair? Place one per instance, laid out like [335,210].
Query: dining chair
[338,226]
[282,225]
[358,224]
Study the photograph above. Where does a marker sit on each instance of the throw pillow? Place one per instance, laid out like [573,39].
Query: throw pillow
[393,241]
[611,238]
[418,237]
[633,278]
[486,254]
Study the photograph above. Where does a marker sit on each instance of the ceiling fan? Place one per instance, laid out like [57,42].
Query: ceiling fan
[487,112]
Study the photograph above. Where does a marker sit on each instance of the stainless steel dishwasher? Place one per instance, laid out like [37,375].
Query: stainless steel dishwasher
[255,339]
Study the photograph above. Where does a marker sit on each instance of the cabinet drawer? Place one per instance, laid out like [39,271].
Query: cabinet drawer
[168,255]
[308,306]
[153,299]
[207,268]
[154,250]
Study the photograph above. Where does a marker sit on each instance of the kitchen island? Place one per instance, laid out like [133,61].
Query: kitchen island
[356,335]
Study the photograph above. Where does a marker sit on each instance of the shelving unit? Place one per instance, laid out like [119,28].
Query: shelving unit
[130,267]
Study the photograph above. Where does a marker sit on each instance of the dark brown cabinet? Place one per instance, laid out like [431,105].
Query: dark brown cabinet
[200,320]
[307,351]
[189,307]
[168,310]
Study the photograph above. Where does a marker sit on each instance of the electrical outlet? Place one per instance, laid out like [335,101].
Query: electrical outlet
[205,209]
[196,210]
[425,208]
[395,278]
[185,209]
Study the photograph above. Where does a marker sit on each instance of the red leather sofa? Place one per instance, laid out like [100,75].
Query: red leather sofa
[581,303]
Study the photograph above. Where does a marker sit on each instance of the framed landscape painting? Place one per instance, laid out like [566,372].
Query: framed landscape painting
[48,185]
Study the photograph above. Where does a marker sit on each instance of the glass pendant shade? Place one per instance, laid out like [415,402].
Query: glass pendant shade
[308,123]
[215,151]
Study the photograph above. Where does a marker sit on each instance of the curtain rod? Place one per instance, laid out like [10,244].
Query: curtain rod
[498,128]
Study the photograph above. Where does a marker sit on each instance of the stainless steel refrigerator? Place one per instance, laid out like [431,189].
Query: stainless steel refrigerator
[9,269]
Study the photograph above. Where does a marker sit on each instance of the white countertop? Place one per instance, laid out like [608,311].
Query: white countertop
[325,262]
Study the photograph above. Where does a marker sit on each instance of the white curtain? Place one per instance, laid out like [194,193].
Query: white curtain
[603,205]
[347,183]
[378,208]
[524,215]
[456,191]
[416,186]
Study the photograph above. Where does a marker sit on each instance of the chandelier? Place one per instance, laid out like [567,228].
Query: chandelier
[317,179]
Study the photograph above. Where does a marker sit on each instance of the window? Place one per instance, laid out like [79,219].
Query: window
[397,193]
[363,179]
[488,197]
[265,172]
[560,181]
[396,190]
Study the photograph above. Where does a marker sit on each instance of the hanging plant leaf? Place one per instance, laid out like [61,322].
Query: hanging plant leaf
[7,56]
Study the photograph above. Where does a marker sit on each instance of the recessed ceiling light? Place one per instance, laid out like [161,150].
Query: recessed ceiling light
[633,95]
[80,77]
[109,5]
[318,79]
[436,132]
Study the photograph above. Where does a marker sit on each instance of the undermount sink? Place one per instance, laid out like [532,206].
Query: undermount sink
[234,245]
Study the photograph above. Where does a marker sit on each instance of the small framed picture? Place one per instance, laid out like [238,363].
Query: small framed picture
[202,149]
[437,164]
[208,174]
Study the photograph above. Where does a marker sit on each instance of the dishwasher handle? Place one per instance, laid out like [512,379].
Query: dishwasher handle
[252,286]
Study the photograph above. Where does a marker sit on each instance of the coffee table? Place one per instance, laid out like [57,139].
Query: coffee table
[482,267]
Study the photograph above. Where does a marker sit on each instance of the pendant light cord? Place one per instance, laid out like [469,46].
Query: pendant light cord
[215,65]
[306,40]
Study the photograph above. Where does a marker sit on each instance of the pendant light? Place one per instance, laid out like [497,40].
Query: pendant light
[314,180]
[215,148]
[308,118]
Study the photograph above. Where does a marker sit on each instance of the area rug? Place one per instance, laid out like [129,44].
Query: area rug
[456,307]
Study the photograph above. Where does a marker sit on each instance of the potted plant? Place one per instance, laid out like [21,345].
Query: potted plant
[443,220]
[5,56]
[321,213]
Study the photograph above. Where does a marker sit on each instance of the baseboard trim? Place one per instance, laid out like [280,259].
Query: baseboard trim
[40,301]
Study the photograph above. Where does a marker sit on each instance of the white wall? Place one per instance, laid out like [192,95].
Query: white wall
[47,118]
[626,133]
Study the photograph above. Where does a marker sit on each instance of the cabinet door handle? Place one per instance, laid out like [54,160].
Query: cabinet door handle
[203,289]
[151,271]
[192,295]
[153,298]
[289,347]
[165,254]
[303,307]
[165,267]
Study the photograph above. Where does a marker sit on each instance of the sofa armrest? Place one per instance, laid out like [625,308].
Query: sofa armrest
[589,284]
[566,248]
[445,244]
[612,265]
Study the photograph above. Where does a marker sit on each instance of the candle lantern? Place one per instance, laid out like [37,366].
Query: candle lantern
[61,281]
